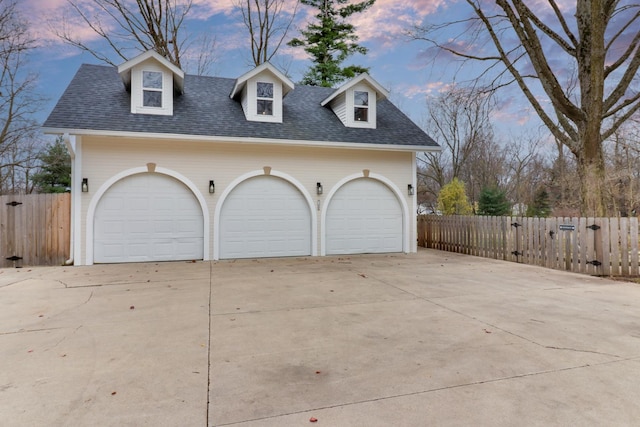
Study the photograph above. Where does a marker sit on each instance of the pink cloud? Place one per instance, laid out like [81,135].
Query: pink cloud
[387,20]
[424,90]
[205,9]
[44,17]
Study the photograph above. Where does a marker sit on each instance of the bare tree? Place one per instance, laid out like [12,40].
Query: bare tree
[623,155]
[18,100]
[524,168]
[486,167]
[204,57]
[600,38]
[458,119]
[268,22]
[129,26]
[564,184]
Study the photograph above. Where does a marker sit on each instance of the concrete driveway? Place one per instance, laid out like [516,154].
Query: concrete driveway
[432,338]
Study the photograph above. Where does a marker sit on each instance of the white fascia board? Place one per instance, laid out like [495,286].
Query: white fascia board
[71,144]
[245,140]
[381,92]
[287,84]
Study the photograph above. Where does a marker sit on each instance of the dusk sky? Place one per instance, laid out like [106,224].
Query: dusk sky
[407,68]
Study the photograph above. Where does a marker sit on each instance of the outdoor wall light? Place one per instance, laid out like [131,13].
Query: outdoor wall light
[212,187]
[85,185]
[319,188]
[410,189]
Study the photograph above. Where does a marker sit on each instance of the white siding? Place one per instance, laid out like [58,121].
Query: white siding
[244,101]
[339,108]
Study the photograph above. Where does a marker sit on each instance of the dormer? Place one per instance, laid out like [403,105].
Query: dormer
[355,102]
[153,82]
[261,92]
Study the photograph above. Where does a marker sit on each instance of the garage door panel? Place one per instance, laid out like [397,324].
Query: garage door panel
[163,248]
[111,227]
[139,204]
[364,216]
[138,250]
[188,227]
[163,228]
[148,217]
[113,249]
[265,216]
[187,246]
[114,204]
[164,204]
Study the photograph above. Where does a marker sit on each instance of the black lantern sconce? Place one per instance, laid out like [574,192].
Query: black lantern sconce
[319,188]
[212,187]
[85,185]
[410,190]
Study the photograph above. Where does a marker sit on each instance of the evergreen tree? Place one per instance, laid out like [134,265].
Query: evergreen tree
[452,199]
[330,41]
[55,172]
[493,202]
[540,207]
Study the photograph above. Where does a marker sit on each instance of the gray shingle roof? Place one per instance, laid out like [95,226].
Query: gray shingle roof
[97,100]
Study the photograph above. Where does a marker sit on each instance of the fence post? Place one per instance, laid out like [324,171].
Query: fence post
[624,246]
[633,238]
[10,255]
[595,225]
[614,246]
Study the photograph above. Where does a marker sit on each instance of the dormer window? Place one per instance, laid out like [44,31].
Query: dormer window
[355,103]
[264,99]
[261,92]
[153,83]
[152,89]
[361,106]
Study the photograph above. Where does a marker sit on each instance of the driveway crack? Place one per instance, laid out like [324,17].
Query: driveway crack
[549,347]
[427,391]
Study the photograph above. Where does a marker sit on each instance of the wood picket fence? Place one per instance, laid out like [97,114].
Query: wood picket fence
[34,229]
[596,246]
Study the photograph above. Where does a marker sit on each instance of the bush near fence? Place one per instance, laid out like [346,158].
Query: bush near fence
[597,246]
[34,229]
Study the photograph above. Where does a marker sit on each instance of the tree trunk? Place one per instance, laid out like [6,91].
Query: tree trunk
[591,62]
[591,171]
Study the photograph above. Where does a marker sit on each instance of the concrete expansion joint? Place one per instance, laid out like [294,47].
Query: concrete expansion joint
[207,413]
[13,283]
[294,309]
[27,331]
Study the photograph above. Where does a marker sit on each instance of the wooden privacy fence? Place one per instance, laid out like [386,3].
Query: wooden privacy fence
[34,229]
[598,246]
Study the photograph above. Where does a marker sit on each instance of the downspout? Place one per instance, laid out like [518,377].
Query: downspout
[72,154]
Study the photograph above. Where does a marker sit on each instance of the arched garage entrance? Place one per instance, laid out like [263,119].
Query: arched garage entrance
[148,217]
[265,216]
[364,216]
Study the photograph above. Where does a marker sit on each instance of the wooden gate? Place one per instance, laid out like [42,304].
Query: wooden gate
[34,229]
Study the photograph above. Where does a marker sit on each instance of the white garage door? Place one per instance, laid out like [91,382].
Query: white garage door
[364,216]
[265,216]
[148,217]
